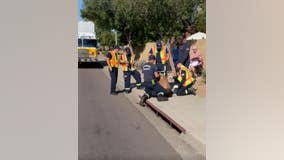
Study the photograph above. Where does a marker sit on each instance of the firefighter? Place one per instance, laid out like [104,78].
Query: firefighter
[184,80]
[162,56]
[112,62]
[128,68]
[151,77]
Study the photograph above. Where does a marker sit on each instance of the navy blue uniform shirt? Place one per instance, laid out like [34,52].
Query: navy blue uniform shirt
[183,54]
[148,70]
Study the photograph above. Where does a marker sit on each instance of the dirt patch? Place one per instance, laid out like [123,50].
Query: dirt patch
[200,84]
[145,53]
[201,87]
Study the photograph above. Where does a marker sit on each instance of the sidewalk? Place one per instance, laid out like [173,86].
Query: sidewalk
[188,111]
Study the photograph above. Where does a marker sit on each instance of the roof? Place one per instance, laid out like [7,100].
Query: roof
[86,35]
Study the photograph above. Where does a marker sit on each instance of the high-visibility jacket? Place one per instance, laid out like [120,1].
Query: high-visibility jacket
[188,77]
[126,65]
[114,59]
[163,54]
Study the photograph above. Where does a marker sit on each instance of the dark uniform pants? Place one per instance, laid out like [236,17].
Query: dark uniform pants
[113,76]
[162,68]
[184,90]
[153,89]
[127,77]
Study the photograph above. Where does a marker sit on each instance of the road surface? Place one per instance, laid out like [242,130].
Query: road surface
[110,127]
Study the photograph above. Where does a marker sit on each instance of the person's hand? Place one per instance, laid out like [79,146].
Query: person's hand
[109,68]
[158,78]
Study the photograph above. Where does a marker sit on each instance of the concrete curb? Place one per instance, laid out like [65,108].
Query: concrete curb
[171,121]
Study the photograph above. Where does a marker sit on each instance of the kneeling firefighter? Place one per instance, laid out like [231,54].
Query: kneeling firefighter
[151,79]
[127,63]
[184,80]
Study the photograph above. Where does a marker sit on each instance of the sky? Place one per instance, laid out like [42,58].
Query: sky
[80,5]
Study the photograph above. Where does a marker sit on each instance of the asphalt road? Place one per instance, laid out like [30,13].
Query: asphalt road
[111,128]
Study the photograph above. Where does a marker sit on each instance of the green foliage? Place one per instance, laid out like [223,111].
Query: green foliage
[106,38]
[141,21]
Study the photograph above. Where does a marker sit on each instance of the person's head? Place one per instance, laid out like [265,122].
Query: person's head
[128,51]
[159,45]
[116,48]
[151,59]
[189,31]
[194,48]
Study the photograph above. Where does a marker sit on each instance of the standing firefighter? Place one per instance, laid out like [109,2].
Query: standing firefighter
[162,56]
[151,79]
[127,63]
[112,62]
[185,81]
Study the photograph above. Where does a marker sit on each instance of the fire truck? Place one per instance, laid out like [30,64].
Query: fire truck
[87,42]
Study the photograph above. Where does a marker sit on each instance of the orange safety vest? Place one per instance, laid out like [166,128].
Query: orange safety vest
[114,59]
[189,78]
[124,63]
[163,54]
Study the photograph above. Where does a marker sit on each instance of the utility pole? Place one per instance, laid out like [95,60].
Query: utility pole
[115,35]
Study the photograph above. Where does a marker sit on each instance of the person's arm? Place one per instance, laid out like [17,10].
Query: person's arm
[108,61]
[183,75]
[180,55]
[200,56]
[157,76]
[121,61]
[167,54]
[132,61]
[156,73]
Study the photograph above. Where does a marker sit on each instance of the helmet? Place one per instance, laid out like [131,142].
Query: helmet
[159,45]
[152,57]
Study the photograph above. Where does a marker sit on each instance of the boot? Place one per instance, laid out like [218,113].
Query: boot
[143,100]
[139,86]
[191,91]
[127,91]
[161,97]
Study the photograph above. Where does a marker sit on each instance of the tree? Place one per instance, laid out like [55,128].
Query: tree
[140,21]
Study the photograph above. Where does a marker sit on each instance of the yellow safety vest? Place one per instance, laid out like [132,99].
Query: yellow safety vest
[114,59]
[163,54]
[189,78]
[124,63]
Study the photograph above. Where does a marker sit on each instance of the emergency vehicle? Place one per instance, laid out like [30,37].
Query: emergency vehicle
[87,42]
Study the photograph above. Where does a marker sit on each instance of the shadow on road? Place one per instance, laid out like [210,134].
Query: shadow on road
[99,64]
